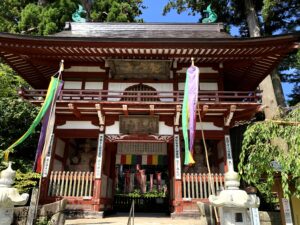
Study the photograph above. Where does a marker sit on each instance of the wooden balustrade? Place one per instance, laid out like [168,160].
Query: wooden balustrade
[150,96]
[198,186]
[71,184]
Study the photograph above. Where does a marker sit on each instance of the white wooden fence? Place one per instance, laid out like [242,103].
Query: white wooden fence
[71,184]
[197,185]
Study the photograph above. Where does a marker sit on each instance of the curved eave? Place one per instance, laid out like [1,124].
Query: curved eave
[246,61]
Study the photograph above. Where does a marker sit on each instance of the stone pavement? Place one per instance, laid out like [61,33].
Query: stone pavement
[140,219]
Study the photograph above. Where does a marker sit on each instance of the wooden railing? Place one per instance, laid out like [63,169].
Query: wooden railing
[198,186]
[71,184]
[150,96]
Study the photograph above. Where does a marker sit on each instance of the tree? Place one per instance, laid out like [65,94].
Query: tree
[16,117]
[116,11]
[276,17]
[273,141]
[42,17]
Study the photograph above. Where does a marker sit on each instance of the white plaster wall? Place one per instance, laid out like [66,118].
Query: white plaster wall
[207,126]
[158,86]
[78,125]
[118,87]
[201,69]
[57,165]
[59,150]
[72,84]
[208,86]
[84,69]
[162,87]
[92,85]
[163,129]
[60,147]
[204,86]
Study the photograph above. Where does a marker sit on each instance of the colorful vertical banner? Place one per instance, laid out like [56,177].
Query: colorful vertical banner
[50,115]
[189,108]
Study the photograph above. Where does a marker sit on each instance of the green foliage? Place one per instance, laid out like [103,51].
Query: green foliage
[10,82]
[24,182]
[276,17]
[290,72]
[16,117]
[30,17]
[269,141]
[135,194]
[155,194]
[116,10]
[150,194]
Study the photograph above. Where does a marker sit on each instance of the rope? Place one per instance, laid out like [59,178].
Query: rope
[207,161]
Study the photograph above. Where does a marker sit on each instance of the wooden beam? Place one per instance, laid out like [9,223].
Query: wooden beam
[228,119]
[74,110]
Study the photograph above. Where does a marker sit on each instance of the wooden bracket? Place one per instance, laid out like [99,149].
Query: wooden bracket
[177,116]
[74,110]
[125,110]
[100,115]
[204,111]
[151,108]
[228,119]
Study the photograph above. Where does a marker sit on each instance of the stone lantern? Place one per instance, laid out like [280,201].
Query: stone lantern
[9,196]
[234,203]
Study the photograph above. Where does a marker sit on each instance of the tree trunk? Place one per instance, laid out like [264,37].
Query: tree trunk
[271,85]
[42,2]
[252,20]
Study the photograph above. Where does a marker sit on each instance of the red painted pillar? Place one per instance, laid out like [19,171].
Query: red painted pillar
[98,172]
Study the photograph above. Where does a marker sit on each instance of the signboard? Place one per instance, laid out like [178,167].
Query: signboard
[177,162]
[276,166]
[228,152]
[254,216]
[139,124]
[48,157]
[136,148]
[287,211]
[98,167]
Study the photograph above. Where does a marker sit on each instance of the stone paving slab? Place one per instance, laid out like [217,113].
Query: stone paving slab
[143,219]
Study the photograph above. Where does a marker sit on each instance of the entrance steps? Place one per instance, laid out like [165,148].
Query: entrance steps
[140,219]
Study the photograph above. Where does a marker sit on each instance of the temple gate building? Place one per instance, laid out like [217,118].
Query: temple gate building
[118,129]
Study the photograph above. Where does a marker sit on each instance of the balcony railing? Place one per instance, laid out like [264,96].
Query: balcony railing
[71,184]
[140,96]
[200,186]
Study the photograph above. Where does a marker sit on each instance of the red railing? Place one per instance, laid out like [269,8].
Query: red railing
[140,96]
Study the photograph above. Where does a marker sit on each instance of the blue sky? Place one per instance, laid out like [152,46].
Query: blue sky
[153,13]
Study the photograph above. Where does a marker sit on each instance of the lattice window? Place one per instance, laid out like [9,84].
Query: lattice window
[140,92]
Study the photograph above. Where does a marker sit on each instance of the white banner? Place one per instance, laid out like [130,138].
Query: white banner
[228,152]
[98,167]
[287,211]
[47,159]
[254,216]
[177,161]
